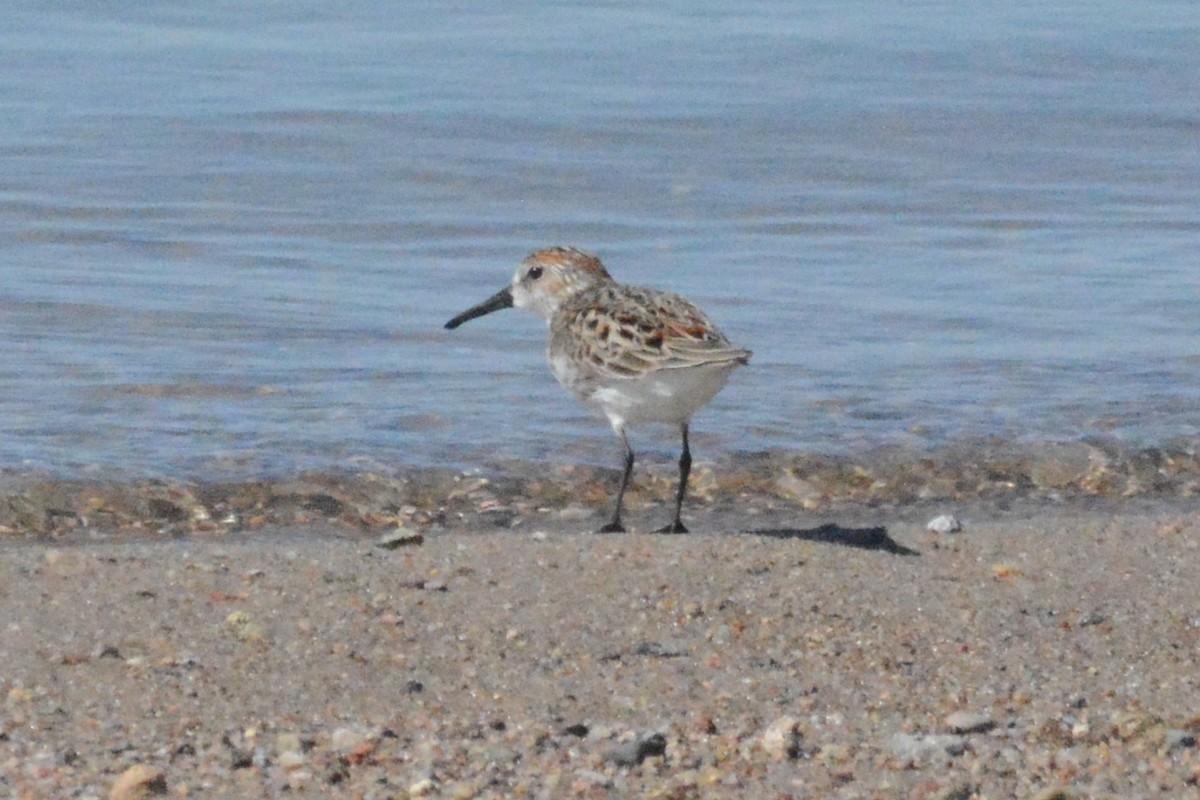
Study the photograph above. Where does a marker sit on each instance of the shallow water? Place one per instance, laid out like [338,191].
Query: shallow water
[232,234]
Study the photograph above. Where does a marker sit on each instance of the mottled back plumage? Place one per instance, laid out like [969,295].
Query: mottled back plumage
[629,331]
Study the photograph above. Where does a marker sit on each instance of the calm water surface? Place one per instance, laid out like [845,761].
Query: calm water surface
[231,232]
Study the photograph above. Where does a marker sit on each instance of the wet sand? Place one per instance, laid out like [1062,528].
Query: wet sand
[990,473]
[1047,650]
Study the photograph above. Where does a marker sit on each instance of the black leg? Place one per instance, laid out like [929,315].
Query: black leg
[685,468]
[614,525]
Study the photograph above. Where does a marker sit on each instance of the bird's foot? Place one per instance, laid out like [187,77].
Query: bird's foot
[613,527]
[674,527]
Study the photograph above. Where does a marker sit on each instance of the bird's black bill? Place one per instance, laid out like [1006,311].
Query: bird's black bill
[501,299]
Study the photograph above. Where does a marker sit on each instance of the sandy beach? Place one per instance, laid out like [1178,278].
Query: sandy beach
[1046,651]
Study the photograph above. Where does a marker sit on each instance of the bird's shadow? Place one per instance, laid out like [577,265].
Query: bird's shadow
[876,538]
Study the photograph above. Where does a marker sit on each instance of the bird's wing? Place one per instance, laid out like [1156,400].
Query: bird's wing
[625,332]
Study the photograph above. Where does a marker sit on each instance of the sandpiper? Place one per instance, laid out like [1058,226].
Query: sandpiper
[634,354]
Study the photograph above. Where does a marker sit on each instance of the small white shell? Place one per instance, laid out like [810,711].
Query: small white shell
[946,523]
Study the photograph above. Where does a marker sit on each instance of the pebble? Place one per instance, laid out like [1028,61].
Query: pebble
[967,722]
[400,537]
[352,741]
[422,787]
[918,749]
[945,523]
[1180,739]
[781,739]
[245,628]
[630,754]
[137,782]
[291,760]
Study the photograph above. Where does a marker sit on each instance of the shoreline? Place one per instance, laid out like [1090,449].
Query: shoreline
[989,473]
[1039,650]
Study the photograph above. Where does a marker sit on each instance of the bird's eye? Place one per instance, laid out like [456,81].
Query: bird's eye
[534,273]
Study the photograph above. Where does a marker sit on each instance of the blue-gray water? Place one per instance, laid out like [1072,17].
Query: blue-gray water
[231,232]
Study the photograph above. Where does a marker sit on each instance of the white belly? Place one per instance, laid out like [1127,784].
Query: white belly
[664,395]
